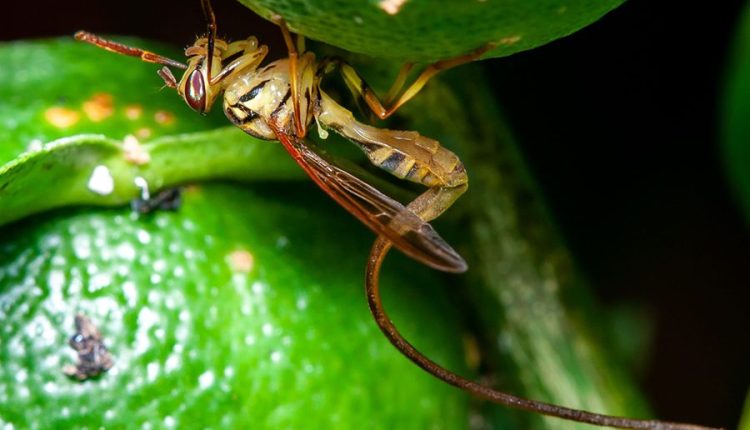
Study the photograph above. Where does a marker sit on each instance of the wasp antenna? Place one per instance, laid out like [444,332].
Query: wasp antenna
[208,12]
[372,288]
[169,79]
[131,51]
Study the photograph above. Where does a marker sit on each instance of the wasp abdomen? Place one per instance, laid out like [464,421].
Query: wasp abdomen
[406,154]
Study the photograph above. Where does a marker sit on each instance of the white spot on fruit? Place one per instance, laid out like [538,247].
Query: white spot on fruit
[206,379]
[143,237]
[101,181]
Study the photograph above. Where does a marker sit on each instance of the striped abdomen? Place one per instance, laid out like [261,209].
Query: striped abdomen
[405,154]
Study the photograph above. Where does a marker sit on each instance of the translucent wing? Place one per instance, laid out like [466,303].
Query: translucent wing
[383,215]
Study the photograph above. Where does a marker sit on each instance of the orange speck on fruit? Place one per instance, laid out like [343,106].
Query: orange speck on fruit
[143,133]
[510,40]
[99,107]
[163,117]
[133,112]
[134,152]
[191,189]
[61,117]
[391,7]
[241,261]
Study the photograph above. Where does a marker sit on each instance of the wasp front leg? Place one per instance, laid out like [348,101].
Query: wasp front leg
[405,154]
[251,57]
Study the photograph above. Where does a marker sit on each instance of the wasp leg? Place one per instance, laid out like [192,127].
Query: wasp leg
[357,85]
[252,56]
[169,79]
[245,46]
[406,155]
[433,202]
[427,74]
[293,77]
[398,83]
[208,13]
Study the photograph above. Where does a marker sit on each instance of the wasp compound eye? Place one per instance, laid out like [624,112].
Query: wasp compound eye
[195,92]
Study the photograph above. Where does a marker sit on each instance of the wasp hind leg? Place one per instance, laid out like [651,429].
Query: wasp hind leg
[359,87]
[446,182]
[433,202]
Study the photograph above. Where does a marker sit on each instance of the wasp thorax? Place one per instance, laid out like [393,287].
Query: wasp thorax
[255,99]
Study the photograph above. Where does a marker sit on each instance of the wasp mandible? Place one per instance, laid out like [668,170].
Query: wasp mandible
[282,99]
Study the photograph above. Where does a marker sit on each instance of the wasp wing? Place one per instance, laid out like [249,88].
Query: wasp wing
[382,214]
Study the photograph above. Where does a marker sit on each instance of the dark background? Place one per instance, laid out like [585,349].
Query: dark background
[620,123]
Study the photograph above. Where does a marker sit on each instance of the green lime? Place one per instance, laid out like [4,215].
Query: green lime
[430,30]
[242,309]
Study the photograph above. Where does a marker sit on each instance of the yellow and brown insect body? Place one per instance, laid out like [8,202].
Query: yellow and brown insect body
[256,99]
[253,99]
[262,103]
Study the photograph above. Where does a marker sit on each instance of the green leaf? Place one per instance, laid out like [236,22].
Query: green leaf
[52,154]
[430,30]
[94,170]
[736,110]
[244,309]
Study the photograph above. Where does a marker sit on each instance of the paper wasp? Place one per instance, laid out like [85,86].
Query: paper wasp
[282,99]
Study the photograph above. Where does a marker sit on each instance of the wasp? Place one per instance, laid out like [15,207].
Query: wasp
[281,100]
